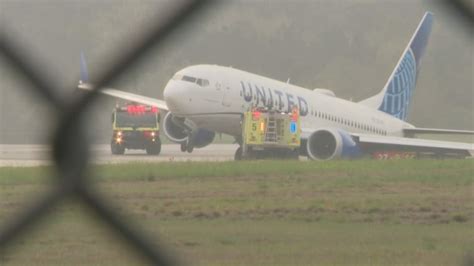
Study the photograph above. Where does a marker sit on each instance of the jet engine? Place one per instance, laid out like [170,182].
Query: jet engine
[203,138]
[329,143]
[174,128]
[178,130]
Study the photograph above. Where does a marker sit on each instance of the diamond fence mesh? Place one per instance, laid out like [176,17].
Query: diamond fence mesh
[69,145]
[70,148]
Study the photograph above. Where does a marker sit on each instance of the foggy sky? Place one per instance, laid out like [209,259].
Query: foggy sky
[350,47]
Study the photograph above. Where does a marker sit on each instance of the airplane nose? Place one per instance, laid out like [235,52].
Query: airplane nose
[175,96]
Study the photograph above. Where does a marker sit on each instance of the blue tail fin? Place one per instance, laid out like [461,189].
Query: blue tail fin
[84,72]
[395,97]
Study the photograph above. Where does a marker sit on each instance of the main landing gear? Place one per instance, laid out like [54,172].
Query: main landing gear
[188,145]
[185,147]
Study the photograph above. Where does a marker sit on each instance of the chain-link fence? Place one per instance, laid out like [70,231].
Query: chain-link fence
[70,148]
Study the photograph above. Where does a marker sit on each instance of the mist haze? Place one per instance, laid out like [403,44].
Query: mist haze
[350,47]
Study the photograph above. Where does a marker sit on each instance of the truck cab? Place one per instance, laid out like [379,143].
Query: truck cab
[135,126]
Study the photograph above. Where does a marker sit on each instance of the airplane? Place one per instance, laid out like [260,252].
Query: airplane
[204,99]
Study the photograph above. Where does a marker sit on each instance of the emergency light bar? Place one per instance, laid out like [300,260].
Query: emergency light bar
[294,115]
[255,115]
[138,109]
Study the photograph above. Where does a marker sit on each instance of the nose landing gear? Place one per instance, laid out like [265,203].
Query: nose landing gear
[188,145]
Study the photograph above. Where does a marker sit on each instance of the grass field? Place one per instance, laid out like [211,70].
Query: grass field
[407,212]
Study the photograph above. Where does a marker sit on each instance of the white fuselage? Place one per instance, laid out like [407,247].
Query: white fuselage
[218,95]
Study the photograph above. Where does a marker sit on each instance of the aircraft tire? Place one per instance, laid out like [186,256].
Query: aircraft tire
[189,148]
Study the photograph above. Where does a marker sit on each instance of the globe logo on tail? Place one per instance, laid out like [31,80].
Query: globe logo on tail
[399,91]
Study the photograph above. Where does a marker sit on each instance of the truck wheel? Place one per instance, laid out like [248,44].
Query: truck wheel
[294,154]
[183,147]
[153,148]
[238,154]
[117,149]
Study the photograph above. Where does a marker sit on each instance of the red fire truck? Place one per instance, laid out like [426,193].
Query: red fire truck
[135,127]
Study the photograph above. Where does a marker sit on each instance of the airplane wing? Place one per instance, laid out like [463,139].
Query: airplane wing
[373,143]
[84,85]
[128,96]
[418,130]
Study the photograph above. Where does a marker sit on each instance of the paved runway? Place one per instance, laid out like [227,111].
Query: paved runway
[30,155]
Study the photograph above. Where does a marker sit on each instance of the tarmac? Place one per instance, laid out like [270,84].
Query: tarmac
[33,155]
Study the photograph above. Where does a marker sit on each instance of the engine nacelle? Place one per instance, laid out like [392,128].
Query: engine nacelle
[331,143]
[177,130]
[174,128]
[203,138]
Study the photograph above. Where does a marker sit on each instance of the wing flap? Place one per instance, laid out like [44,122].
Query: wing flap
[128,96]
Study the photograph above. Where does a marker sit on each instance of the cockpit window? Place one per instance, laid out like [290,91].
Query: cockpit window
[203,82]
[190,79]
[177,77]
[200,82]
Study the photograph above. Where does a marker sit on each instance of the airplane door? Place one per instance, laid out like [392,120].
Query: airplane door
[226,99]
[216,94]
[223,89]
[226,92]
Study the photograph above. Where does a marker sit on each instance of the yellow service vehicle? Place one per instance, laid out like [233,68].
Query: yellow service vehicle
[270,134]
[135,127]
